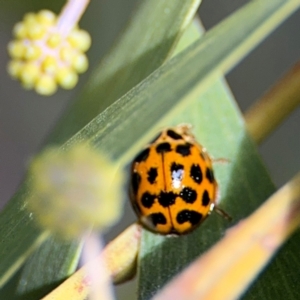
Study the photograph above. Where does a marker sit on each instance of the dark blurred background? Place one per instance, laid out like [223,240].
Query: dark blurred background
[26,118]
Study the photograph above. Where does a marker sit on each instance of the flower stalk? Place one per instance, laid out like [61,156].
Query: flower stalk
[276,105]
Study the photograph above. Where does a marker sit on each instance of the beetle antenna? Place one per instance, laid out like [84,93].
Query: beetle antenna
[222,213]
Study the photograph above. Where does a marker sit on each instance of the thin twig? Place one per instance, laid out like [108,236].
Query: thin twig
[269,111]
[119,257]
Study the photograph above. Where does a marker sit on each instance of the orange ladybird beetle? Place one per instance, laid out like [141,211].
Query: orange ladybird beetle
[172,186]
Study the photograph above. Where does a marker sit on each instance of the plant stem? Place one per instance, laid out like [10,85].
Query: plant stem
[269,111]
[119,258]
[71,14]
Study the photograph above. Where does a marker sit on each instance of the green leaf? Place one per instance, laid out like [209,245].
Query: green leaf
[167,93]
[147,42]
[19,235]
[244,184]
[280,279]
[149,101]
[47,268]
[133,119]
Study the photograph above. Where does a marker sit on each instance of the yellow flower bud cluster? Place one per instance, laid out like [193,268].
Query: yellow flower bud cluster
[44,57]
[73,190]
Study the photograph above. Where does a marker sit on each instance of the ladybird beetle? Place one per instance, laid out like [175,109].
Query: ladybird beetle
[172,186]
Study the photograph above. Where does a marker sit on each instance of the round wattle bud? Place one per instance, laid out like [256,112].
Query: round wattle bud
[73,190]
[42,55]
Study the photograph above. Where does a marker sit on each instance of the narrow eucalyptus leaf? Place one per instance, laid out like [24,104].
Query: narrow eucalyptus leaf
[148,41]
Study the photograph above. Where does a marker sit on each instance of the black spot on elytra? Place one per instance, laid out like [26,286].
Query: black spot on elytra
[188,195]
[173,135]
[148,199]
[142,156]
[176,167]
[152,175]
[135,182]
[196,173]
[184,150]
[158,218]
[163,147]
[205,198]
[166,198]
[189,216]
[210,175]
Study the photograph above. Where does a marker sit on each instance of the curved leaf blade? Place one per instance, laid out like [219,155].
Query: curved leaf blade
[19,232]
[148,41]
[138,107]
